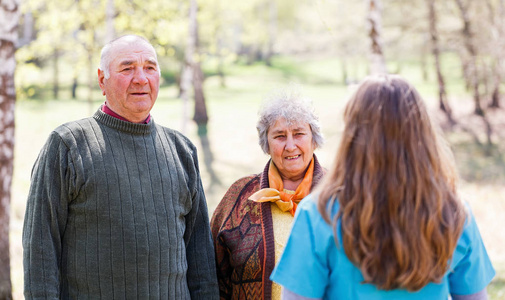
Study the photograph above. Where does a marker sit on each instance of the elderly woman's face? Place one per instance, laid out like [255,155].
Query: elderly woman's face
[291,148]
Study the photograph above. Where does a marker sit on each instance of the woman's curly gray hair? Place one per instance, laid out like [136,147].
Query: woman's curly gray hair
[289,104]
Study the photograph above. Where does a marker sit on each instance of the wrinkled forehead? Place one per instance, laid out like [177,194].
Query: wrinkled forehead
[122,50]
[282,124]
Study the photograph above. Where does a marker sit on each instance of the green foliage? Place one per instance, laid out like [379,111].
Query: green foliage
[496,290]
[169,77]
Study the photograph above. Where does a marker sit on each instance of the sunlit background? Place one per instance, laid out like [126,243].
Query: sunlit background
[246,50]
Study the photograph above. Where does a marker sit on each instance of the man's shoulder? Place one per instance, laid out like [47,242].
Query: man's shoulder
[73,128]
[74,125]
[175,136]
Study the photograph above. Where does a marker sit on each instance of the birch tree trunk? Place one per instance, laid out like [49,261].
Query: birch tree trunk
[498,31]
[442,95]
[471,65]
[187,68]
[56,73]
[473,71]
[374,20]
[272,31]
[9,19]
[110,14]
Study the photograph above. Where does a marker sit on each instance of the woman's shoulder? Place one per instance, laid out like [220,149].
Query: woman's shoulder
[241,186]
[309,211]
[235,197]
[470,260]
[310,205]
[470,228]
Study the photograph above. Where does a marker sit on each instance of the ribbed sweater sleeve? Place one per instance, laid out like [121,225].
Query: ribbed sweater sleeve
[46,218]
[116,210]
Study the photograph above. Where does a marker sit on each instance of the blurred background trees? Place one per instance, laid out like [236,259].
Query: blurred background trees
[453,49]
[63,37]
[69,33]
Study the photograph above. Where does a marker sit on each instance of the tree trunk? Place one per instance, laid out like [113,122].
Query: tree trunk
[495,96]
[472,60]
[345,76]
[9,9]
[75,84]
[91,80]
[200,117]
[374,19]
[28,30]
[442,96]
[424,62]
[187,68]
[56,72]
[272,31]
[220,63]
[473,71]
[110,14]
[498,24]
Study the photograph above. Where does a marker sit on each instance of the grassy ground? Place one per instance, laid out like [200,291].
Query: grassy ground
[233,141]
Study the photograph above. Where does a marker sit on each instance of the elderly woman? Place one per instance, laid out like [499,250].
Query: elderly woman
[251,223]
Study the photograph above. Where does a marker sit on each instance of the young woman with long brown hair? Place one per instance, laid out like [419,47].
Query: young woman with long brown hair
[387,221]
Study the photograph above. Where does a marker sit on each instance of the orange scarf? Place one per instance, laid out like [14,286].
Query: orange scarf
[285,200]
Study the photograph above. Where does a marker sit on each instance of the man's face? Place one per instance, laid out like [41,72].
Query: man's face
[133,85]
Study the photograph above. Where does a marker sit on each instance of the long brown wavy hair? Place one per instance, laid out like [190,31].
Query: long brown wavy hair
[394,179]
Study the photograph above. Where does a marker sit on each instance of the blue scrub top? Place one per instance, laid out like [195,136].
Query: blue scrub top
[313,266]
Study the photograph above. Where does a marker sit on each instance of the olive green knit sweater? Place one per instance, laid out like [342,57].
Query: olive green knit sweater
[116,210]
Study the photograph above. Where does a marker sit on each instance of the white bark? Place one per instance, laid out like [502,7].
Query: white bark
[9,19]
[110,14]
[187,71]
[374,22]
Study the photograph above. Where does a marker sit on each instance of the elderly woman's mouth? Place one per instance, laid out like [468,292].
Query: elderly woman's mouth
[293,157]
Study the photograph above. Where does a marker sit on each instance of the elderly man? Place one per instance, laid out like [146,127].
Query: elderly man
[116,208]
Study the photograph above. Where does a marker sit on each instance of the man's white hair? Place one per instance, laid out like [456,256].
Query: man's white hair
[107,55]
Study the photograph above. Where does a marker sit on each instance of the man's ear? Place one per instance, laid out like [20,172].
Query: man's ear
[101,78]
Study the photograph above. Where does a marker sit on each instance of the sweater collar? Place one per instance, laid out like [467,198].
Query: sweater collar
[106,109]
[125,126]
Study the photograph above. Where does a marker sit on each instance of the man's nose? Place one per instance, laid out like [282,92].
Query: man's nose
[139,76]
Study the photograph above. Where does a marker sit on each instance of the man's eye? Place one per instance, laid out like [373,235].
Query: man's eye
[279,136]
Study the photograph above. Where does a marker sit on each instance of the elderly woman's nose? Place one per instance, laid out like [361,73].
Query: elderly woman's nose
[290,143]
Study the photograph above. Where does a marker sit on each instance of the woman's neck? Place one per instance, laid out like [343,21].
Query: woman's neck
[291,184]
